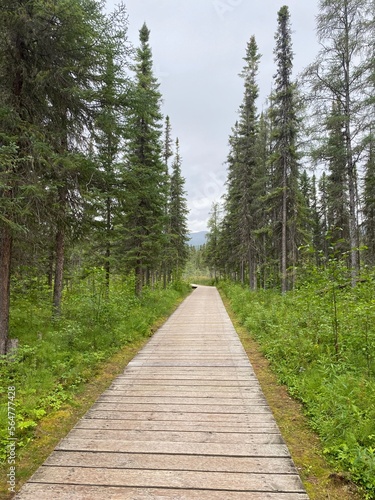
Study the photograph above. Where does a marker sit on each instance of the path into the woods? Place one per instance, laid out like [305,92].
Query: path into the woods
[186,420]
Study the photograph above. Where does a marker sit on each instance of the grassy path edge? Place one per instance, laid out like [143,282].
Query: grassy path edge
[319,478]
[56,425]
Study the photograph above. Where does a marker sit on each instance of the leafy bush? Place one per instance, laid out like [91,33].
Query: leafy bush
[320,340]
[56,357]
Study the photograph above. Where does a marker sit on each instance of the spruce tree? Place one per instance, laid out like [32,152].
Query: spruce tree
[369,206]
[20,114]
[248,166]
[107,196]
[243,172]
[323,217]
[167,154]
[212,249]
[178,211]
[168,142]
[263,187]
[70,77]
[341,73]
[50,53]
[145,175]
[230,238]
[337,184]
[285,158]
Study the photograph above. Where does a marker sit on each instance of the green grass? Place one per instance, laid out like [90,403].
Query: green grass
[320,340]
[55,358]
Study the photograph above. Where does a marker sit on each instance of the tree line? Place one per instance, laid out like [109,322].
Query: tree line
[90,173]
[301,174]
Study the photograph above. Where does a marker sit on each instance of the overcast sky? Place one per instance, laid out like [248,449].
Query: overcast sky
[198,48]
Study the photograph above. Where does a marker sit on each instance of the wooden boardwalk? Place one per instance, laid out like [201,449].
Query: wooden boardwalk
[186,420]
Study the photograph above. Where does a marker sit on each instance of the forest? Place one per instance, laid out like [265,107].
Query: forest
[292,243]
[93,214]
[85,180]
[300,184]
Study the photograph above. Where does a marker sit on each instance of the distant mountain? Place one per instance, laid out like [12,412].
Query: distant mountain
[197,239]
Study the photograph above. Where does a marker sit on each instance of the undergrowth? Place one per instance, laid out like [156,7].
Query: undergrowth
[320,340]
[55,357]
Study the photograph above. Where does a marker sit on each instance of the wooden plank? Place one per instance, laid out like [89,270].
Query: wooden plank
[180,401]
[183,391]
[35,491]
[178,408]
[176,436]
[169,479]
[174,448]
[248,465]
[182,426]
[164,416]
[193,380]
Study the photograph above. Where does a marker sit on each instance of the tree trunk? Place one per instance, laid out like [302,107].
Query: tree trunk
[5,261]
[59,272]
[138,279]
[353,228]
[353,225]
[352,180]
[51,260]
[252,271]
[107,263]
[242,272]
[284,246]
[148,276]
[59,253]
[164,276]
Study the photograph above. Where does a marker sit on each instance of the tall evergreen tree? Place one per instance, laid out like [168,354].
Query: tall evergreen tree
[212,250]
[337,184]
[167,154]
[230,238]
[50,55]
[168,141]
[369,206]
[108,196]
[263,187]
[243,172]
[284,116]
[323,216]
[145,176]
[70,77]
[248,166]
[19,112]
[340,73]
[178,211]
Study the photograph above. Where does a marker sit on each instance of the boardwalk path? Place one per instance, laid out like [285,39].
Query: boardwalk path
[186,420]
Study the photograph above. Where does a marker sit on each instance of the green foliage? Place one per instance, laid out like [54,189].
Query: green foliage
[145,177]
[55,358]
[320,340]
[177,214]
[196,270]
[212,247]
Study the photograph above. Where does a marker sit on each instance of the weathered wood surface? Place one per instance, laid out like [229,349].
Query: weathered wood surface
[186,420]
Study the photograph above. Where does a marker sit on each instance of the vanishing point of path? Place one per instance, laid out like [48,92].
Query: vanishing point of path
[186,420]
